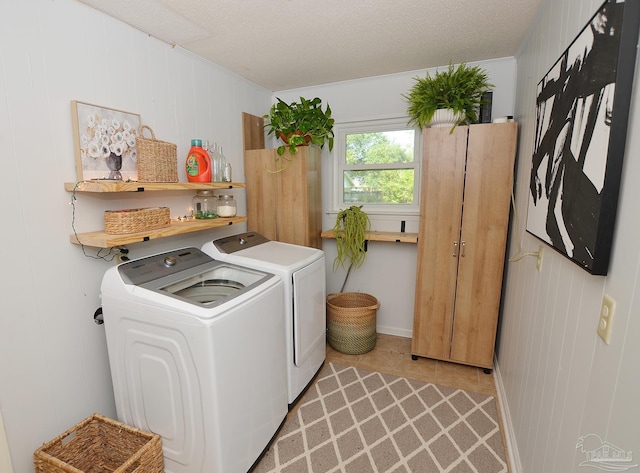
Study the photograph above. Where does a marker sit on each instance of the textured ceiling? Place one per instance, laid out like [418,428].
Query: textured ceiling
[285,44]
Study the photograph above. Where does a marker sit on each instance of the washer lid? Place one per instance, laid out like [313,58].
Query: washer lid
[143,270]
[214,286]
[192,276]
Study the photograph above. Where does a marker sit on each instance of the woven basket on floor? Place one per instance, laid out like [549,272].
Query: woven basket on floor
[351,322]
[101,445]
[120,222]
[157,160]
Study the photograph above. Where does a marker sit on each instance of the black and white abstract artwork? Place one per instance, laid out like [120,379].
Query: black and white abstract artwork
[582,109]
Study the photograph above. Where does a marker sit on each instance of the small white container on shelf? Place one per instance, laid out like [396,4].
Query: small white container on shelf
[226,206]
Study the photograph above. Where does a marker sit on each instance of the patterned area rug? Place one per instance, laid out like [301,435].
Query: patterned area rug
[358,421]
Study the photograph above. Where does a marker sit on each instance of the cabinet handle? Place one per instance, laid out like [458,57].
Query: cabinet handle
[455,249]
[462,247]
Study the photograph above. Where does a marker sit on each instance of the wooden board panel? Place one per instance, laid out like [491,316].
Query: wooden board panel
[262,202]
[398,237]
[252,131]
[130,186]
[314,197]
[105,240]
[443,170]
[487,196]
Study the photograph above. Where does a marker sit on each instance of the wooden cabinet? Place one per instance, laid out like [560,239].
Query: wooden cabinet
[467,180]
[285,204]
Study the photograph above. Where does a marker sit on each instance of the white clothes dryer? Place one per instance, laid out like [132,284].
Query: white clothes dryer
[303,272]
[197,354]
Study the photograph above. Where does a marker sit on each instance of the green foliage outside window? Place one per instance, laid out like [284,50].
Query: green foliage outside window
[378,185]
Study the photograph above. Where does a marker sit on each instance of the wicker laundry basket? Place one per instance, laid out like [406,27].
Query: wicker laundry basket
[101,445]
[351,322]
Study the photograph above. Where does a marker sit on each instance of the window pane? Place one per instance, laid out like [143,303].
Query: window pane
[380,148]
[390,186]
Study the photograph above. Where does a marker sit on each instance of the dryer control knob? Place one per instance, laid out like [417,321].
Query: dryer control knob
[170,261]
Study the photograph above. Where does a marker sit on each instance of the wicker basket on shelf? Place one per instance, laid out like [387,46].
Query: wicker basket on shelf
[157,160]
[100,445]
[351,322]
[119,222]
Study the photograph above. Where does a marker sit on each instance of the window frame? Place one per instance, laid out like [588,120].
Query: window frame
[341,130]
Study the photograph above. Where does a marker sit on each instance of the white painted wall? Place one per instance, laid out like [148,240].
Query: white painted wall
[53,360]
[5,456]
[389,272]
[562,381]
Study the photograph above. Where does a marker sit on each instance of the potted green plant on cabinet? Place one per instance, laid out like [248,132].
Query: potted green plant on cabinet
[284,192]
[458,89]
[300,123]
[351,316]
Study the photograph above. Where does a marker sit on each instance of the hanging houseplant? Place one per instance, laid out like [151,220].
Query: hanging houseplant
[299,124]
[350,230]
[458,88]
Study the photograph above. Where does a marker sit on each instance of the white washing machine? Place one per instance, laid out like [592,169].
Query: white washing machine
[197,354]
[303,272]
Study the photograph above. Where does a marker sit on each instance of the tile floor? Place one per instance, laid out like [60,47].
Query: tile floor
[392,355]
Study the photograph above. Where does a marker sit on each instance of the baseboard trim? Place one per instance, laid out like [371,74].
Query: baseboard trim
[399,332]
[509,435]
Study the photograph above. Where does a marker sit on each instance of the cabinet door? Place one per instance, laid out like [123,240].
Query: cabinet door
[485,219]
[442,185]
[285,205]
[299,210]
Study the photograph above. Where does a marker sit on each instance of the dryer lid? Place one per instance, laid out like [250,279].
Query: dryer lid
[282,254]
[253,246]
[242,241]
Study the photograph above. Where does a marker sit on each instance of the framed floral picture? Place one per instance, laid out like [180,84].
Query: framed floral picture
[105,142]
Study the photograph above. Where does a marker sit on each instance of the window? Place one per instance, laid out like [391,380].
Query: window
[378,166]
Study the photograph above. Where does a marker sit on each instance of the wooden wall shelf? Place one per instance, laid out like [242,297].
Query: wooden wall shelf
[105,240]
[101,239]
[121,186]
[399,237]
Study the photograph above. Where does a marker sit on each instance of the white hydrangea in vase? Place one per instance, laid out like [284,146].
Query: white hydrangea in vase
[109,139]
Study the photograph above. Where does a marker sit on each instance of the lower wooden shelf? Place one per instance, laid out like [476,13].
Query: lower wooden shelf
[106,240]
[400,237]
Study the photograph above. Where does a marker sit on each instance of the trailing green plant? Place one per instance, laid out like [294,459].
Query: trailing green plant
[350,230]
[458,88]
[300,123]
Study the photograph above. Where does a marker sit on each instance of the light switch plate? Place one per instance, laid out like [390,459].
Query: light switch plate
[606,318]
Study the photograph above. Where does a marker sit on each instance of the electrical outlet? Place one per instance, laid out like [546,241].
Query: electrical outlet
[539,262]
[606,318]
